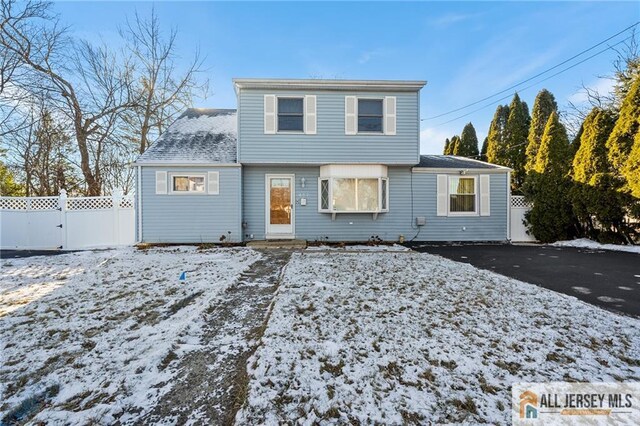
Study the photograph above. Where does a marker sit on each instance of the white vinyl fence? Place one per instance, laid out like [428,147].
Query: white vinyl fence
[61,223]
[518,230]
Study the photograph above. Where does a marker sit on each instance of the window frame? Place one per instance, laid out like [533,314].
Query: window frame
[382,208]
[302,131]
[174,175]
[476,194]
[382,117]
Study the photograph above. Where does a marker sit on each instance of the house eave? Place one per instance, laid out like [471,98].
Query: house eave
[183,164]
[317,84]
[458,170]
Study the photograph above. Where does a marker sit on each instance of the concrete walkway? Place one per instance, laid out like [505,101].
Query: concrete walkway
[212,382]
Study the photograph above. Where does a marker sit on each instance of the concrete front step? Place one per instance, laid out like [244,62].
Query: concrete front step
[267,244]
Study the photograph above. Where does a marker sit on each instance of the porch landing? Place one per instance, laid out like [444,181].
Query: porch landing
[269,244]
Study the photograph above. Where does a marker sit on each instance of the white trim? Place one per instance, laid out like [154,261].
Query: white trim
[353,115]
[173,175]
[509,206]
[160,164]
[139,206]
[476,211]
[391,85]
[267,206]
[456,171]
[320,209]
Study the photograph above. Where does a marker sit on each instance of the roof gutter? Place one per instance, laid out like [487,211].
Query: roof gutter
[316,84]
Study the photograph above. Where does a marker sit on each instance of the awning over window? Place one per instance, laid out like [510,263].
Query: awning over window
[353,171]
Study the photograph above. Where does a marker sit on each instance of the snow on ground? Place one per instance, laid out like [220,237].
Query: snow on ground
[96,336]
[589,244]
[396,338]
[359,248]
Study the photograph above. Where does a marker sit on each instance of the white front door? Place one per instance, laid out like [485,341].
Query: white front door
[280,206]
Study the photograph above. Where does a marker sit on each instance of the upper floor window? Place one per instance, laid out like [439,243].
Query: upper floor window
[370,115]
[290,114]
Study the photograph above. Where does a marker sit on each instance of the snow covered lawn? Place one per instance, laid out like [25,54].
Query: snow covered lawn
[404,337]
[97,336]
[593,245]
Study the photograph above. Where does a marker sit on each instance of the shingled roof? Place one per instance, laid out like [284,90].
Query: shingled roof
[454,162]
[198,136]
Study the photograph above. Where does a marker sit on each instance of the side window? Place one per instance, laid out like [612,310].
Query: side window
[370,115]
[462,194]
[290,114]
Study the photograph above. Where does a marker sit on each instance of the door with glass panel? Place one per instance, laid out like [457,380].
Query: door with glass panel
[280,206]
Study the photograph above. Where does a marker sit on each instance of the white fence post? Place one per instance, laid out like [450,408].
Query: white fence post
[62,205]
[117,196]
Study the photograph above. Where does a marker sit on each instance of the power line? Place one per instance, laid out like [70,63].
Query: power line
[535,76]
[492,103]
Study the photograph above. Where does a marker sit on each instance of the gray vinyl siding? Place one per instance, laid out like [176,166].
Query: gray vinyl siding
[330,144]
[400,220]
[198,218]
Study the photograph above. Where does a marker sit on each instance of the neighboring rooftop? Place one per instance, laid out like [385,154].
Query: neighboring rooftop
[198,136]
[454,162]
[318,84]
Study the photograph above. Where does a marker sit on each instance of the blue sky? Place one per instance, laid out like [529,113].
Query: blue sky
[465,50]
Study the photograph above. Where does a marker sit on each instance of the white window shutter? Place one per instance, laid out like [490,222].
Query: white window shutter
[213,183]
[161,182]
[485,198]
[269,114]
[390,115]
[442,197]
[350,115]
[310,114]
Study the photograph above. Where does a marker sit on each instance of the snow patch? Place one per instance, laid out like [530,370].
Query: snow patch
[589,244]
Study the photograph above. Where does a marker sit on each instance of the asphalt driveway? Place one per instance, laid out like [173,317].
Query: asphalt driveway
[604,278]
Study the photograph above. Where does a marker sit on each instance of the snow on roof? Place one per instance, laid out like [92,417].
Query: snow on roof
[198,136]
[454,162]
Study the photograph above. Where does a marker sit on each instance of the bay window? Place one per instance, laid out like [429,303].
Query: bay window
[353,195]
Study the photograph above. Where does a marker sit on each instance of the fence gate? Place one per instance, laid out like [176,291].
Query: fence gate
[31,223]
[518,229]
[49,223]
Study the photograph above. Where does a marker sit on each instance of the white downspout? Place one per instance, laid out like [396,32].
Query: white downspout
[139,206]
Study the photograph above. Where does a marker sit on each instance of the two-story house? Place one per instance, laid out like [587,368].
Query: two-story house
[321,160]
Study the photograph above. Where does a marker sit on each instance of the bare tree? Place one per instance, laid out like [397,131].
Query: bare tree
[90,86]
[161,88]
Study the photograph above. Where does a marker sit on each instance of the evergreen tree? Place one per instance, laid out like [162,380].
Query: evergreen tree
[595,192]
[517,131]
[554,152]
[468,142]
[8,185]
[496,147]
[447,147]
[548,186]
[483,151]
[628,124]
[591,157]
[632,173]
[454,146]
[543,106]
